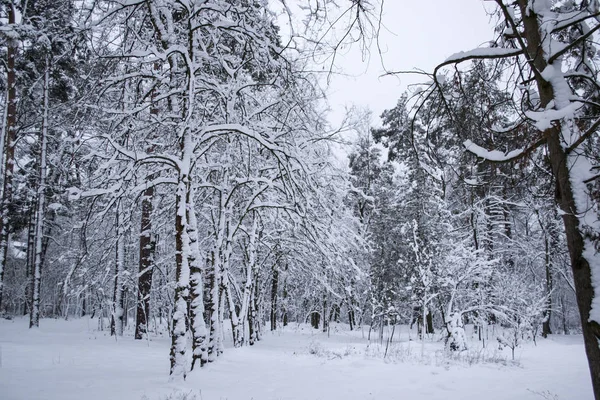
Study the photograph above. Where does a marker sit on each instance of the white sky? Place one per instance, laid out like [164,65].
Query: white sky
[416,34]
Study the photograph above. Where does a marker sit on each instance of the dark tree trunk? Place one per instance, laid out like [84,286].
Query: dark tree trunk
[315,319]
[350,302]
[324,314]
[146,265]
[565,198]
[83,305]
[429,321]
[251,320]
[285,299]
[9,149]
[274,284]
[147,246]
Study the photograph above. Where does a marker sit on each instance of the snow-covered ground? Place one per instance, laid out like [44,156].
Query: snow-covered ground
[66,360]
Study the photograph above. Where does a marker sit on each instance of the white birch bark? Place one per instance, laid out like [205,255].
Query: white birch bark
[34,316]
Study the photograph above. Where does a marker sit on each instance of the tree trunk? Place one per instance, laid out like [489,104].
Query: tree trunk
[147,245]
[116,326]
[180,325]
[221,336]
[429,321]
[36,277]
[285,298]
[9,149]
[212,306]
[548,309]
[580,246]
[146,265]
[274,284]
[315,319]
[253,319]
[563,311]
[30,256]
[324,313]
[197,323]
[350,301]
[236,324]
[248,284]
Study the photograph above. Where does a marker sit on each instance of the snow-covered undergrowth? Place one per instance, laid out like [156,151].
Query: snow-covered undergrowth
[66,360]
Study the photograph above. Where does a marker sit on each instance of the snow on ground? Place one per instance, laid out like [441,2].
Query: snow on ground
[71,360]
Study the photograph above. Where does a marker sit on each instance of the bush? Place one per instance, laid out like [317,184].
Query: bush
[177,395]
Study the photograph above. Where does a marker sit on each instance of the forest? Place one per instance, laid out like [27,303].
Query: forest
[174,191]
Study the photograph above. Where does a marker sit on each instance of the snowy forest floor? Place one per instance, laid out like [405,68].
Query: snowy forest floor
[66,360]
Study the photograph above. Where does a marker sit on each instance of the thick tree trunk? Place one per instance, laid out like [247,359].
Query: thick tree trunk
[180,325]
[236,324]
[580,265]
[34,316]
[9,149]
[429,321]
[146,265]
[351,317]
[197,323]
[147,245]
[564,174]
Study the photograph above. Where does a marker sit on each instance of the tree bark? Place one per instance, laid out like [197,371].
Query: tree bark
[197,323]
[147,244]
[36,276]
[561,164]
[324,313]
[9,149]
[116,326]
[146,265]
[274,284]
[180,324]
[429,321]
[546,330]
[212,307]
[30,256]
[253,319]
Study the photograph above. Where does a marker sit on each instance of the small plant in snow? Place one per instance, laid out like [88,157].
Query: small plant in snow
[471,357]
[396,353]
[177,395]
[546,394]
[315,348]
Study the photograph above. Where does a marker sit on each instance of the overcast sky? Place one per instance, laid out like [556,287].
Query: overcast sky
[416,34]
